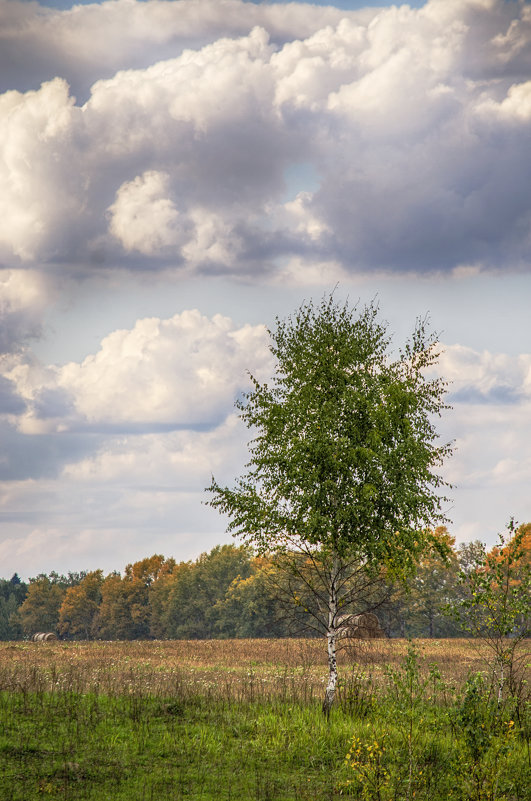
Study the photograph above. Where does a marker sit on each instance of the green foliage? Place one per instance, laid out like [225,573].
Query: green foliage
[496,606]
[13,587]
[420,603]
[232,592]
[498,593]
[79,609]
[195,602]
[125,612]
[488,736]
[115,619]
[40,609]
[35,607]
[345,447]
[477,718]
[342,471]
[10,628]
[470,556]
[250,607]
[12,594]
[422,745]
[223,593]
[410,694]
[414,737]
[71,579]
[95,748]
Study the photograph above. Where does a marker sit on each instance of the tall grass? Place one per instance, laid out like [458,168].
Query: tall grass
[236,669]
[242,720]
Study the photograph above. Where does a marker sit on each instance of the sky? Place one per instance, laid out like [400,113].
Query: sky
[176,174]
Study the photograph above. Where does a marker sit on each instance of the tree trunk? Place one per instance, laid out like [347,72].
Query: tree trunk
[330,692]
[331,636]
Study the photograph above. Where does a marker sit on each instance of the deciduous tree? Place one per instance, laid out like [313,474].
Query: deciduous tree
[12,595]
[195,600]
[40,610]
[432,587]
[496,605]
[125,611]
[79,609]
[251,605]
[343,463]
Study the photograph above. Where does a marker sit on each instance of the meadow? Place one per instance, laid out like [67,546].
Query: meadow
[241,719]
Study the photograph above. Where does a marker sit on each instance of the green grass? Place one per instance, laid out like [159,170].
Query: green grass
[81,723]
[132,747]
[64,745]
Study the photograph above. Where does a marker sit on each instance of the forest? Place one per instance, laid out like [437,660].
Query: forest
[229,592]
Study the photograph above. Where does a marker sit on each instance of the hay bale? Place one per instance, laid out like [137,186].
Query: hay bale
[367,620]
[364,626]
[44,636]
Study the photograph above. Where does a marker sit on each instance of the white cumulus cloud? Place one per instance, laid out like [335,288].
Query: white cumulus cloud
[490,421]
[185,371]
[414,122]
[144,218]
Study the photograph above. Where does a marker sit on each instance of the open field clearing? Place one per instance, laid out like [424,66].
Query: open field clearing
[241,719]
[232,668]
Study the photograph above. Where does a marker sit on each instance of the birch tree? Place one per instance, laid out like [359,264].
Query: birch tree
[343,462]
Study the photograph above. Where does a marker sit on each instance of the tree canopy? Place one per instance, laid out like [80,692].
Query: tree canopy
[346,448]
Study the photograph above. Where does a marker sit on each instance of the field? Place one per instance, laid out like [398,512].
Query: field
[241,719]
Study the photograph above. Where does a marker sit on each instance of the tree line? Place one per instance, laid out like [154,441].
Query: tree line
[230,592]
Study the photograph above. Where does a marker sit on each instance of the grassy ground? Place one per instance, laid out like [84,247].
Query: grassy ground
[242,720]
[96,747]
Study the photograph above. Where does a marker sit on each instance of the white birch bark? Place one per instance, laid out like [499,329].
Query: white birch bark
[331,636]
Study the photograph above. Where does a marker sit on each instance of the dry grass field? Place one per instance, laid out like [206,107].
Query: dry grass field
[238,669]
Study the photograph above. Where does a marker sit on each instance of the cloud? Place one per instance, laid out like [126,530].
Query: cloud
[413,122]
[196,126]
[493,378]
[10,402]
[131,496]
[42,197]
[23,298]
[143,218]
[126,440]
[490,422]
[88,42]
[184,372]
[29,457]
[123,442]
[180,461]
